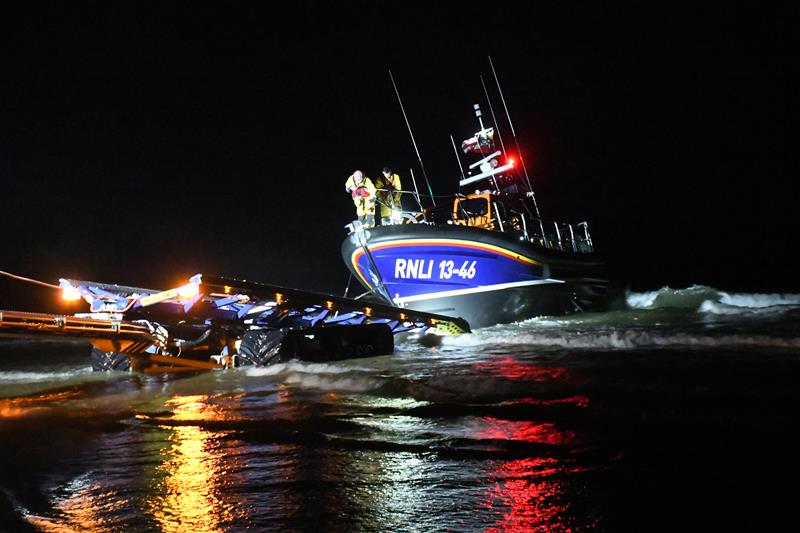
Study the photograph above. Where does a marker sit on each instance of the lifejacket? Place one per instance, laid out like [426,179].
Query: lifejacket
[363,194]
[388,200]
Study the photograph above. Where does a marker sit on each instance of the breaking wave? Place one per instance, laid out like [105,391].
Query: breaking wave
[696,316]
[707,299]
[621,339]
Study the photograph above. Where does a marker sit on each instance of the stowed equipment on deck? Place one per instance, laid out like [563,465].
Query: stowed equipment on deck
[214,322]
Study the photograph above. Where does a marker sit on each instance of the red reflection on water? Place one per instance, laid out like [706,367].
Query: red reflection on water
[525,498]
[510,368]
[521,430]
[576,401]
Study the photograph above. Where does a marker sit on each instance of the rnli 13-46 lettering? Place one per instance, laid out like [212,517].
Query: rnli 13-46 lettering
[447,269]
[423,269]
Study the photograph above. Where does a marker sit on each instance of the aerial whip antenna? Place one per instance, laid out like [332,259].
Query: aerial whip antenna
[494,119]
[458,159]
[416,190]
[424,174]
[513,134]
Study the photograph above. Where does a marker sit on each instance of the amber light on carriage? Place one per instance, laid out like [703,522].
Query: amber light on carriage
[70,294]
[188,291]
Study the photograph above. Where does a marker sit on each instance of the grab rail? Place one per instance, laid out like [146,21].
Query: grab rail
[561,236]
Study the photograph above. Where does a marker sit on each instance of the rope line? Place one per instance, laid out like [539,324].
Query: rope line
[29,280]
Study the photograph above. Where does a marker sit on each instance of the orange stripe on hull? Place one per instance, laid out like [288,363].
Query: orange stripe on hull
[442,242]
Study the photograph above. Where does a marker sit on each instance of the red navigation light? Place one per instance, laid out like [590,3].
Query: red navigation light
[511,161]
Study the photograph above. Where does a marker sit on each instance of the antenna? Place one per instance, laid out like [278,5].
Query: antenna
[424,174]
[513,133]
[416,191]
[458,159]
[494,119]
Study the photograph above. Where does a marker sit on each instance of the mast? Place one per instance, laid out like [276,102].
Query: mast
[516,141]
[419,157]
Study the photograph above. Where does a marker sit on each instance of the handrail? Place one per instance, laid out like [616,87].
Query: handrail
[556,238]
[497,215]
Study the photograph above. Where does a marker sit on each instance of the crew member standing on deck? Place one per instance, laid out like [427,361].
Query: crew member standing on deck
[362,190]
[388,195]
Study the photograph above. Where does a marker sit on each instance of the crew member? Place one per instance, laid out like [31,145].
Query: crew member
[362,190]
[388,195]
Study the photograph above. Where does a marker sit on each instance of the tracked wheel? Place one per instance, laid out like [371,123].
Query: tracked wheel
[108,361]
[260,347]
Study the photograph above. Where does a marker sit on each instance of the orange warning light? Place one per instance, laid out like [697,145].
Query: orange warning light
[188,291]
[70,294]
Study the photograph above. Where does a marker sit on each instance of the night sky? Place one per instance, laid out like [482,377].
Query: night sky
[146,142]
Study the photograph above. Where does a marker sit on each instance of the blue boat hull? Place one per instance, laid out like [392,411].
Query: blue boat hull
[482,276]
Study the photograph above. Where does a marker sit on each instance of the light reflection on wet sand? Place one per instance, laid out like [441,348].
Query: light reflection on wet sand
[188,491]
[87,507]
[25,406]
[212,462]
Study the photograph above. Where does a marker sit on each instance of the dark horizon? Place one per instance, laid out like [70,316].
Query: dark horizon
[145,144]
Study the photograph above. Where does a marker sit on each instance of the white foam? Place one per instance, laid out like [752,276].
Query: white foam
[307,368]
[620,339]
[348,384]
[319,376]
[28,377]
[716,308]
[641,300]
[759,300]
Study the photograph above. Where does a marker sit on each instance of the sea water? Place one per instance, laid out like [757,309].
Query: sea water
[675,411]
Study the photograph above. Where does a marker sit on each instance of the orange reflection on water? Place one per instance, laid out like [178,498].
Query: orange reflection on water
[199,408]
[191,481]
[525,498]
[26,405]
[86,508]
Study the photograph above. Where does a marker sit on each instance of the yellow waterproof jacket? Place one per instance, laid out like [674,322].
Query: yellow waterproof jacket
[365,205]
[386,199]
